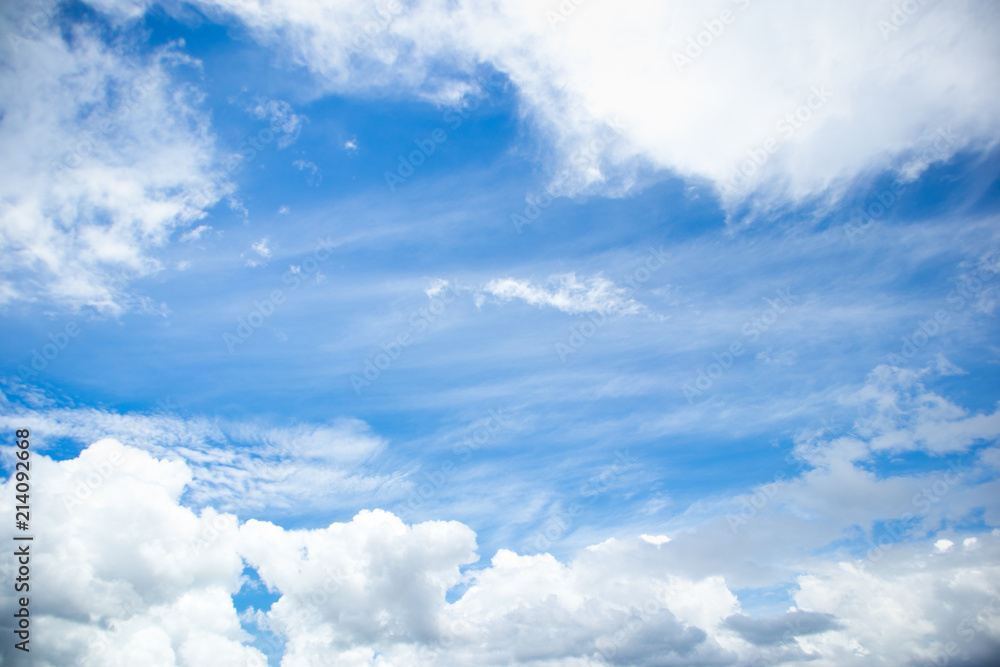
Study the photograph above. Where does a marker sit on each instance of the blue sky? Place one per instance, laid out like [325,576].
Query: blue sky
[470,310]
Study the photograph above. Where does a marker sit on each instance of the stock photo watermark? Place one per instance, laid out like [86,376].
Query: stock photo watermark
[899,17]
[786,126]
[703,40]
[967,630]
[377,22]
[484,431]
[558,525]
[883,202]
[584,159]
[39,17]
[969,287]
[922,502]
[582,332]
[752,330]
[441,296]
[87,142]
[426,146]
[263,309]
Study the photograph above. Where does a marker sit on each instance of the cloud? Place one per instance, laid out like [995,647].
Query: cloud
[279,114]
[780,629]
[196,233]
[141,576]
[389,578]
[899,413]
[133,580]
[263,251]
[114,157]
[702,90]
[917,606]
[315,177]
[237,466]
[261,248]
[568,294]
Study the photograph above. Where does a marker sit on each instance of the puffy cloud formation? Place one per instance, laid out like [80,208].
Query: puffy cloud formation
[918,606]
[124,573]
[112,157]
[121,574]
[780,99]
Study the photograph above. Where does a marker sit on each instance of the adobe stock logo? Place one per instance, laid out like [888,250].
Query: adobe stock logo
[583,331]
[390,351]
[701,42]
[408,165]
[752,329]
[787,126]
[262,310]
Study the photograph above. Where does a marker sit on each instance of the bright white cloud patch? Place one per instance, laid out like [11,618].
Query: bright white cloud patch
[782,98]
[140,577]
[130,576]
[112,157]
[568,293]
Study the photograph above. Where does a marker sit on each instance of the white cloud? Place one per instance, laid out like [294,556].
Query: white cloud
[866,97]
[943,545]
[134,579]
[113,157]
[279,114]
[263,251]
[568,294]
[899,413]
[261,248]
[141,577]
[437,286]
[196,233]
[916,607]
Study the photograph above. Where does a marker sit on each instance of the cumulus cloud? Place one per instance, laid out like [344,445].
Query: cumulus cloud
[130,576]
[113,157]
[139,576]
[568,293]
[385,581]
[779,100]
